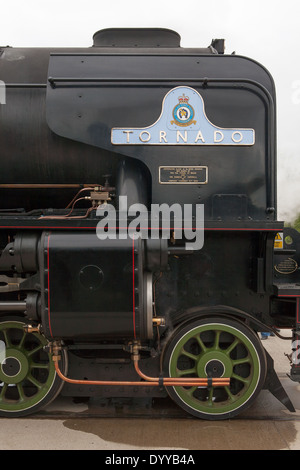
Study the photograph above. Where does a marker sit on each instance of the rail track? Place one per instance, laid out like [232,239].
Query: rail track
[266,408]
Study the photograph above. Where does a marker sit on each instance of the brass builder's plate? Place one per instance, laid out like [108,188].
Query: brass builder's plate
[183,174]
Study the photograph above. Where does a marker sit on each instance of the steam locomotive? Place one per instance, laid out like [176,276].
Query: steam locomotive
[141,254]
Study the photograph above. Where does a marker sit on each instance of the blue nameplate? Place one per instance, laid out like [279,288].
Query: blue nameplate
[182,122]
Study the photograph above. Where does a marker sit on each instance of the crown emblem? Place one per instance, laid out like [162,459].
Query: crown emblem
[183,99]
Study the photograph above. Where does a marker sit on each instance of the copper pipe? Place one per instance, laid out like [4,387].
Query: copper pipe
[87,188]
[44,186]
[171,382]
[68,215]
[182,380]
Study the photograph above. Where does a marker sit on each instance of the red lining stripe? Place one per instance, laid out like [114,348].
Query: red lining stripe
[48,267]
[289,295]
[149,228]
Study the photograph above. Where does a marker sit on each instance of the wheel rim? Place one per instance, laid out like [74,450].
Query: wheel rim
[216,350]
[28,372]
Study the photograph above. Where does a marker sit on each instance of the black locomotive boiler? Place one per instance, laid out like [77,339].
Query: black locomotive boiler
[141,253]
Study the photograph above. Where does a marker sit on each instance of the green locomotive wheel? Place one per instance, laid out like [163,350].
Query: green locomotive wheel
[216,347]
[28,380]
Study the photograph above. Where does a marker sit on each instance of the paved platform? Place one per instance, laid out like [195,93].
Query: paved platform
[67,425]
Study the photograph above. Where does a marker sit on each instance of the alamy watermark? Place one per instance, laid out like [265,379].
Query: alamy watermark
[296,92]
[295,356]
[175,221]
[2,352]
[2,92]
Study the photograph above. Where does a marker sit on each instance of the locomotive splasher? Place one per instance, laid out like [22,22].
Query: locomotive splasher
[102,147]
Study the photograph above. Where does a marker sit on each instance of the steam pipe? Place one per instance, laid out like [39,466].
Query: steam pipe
[149,381]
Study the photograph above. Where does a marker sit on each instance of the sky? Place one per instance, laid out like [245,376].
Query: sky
[264,30]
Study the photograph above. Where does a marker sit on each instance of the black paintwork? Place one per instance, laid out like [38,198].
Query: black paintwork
[129,86]
[56,129]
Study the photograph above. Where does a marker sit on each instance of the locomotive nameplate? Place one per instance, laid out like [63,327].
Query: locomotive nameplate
[183,174]
[182,121]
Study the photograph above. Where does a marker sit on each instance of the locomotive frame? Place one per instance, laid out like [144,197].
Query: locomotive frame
[89,315]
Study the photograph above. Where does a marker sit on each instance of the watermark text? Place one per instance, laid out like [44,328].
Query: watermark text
[162,221]
[296,92]
[2,92]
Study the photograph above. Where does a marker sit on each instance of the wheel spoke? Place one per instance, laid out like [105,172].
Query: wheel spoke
[21,343]
[210,397]
[34,381]
[33,351]
[21,392]
[230,396]
[244,380]
[232,346]
[200,342]
[3,391]
[6,338]
[243,360]
[39,365]
[180,373]
[190,355]
[217,339]
[190,391]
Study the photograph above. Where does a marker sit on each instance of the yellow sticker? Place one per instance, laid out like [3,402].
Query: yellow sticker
[278,243]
